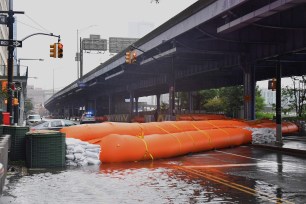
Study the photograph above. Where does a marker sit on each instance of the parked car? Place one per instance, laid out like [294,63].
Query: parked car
[87,117]
[53,124]
[33,119]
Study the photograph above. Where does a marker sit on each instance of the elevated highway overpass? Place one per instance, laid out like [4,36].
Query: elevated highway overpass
[211,44]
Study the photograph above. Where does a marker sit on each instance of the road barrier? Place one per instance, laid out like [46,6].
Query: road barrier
[4,149]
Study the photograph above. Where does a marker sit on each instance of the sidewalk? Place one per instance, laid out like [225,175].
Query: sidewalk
[294,145]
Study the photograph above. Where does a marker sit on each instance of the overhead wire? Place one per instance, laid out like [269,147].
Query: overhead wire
[29,25]
[37,23]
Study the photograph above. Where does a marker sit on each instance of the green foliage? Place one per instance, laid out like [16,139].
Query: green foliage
[259,100]
[232,98]
[164,107]
[214,105]
[262,115]
[203,96]
[227,99]
[182,97]
[295,97]
[28,105]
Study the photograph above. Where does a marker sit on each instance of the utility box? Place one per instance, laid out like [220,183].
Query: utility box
[45,149]
[6,118]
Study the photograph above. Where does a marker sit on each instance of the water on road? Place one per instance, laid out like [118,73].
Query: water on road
[237,175]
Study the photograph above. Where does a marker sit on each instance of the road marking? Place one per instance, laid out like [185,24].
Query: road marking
[234,185]
[220,165]
[238,155]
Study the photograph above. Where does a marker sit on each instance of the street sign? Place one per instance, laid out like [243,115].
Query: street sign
[98,45]
[118,44]
[94,43]
[14,43]
[17,43]
[3,19]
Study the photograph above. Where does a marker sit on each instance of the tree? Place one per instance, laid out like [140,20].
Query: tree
[295,96]
[28,105]
[214,105]
[232,98]
[164,107]
[259,100]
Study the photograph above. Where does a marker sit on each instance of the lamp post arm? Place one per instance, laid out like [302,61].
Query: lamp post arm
[49,34]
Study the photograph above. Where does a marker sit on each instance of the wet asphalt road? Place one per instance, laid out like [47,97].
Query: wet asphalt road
[237,175]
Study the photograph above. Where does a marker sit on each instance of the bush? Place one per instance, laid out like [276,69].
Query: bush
[263,115]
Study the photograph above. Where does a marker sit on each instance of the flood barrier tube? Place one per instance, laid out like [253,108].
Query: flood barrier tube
[93,131]
[127,148]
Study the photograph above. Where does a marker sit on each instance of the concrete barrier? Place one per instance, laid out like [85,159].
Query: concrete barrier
[4,149]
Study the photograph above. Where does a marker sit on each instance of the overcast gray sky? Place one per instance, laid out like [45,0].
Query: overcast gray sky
[64,17]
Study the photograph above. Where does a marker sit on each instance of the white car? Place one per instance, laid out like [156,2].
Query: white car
[33,119]
[88,117]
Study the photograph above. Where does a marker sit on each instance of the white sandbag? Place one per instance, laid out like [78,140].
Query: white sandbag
[70,147]
[93,161]
[79,149]
[92,146]
[70,157]
[92,155]
[71,163]
[79,156]
[93,150]
[83,162]
[69,151]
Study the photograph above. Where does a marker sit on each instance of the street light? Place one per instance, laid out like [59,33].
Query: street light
[18,69]
[16,108]
[78,55]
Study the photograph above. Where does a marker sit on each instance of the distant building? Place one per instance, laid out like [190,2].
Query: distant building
[38,96]
[269,96]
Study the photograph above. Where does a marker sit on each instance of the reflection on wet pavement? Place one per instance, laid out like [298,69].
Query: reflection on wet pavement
[237,175]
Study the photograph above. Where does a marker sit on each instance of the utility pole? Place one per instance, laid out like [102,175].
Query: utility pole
[10,23]
[11,47]
[81,58]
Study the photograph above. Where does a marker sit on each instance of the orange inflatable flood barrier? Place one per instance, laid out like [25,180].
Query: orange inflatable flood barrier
[126,148]
[124,142]
[190,117]
[287,127]
[93,131]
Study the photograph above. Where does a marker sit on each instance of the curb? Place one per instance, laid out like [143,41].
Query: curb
[295,152]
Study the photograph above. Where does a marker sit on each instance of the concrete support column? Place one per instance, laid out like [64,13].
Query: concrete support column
[110,104]
[278,103]
[190,101]
[158,102]
[249,92]
[131,105]
[171,82]
[136,105]
[171,100]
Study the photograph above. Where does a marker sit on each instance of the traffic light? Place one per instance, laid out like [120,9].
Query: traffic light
[15,102]
[60,47]
[53,50]
[12,86]
[128,57]
[4,86]
[272,84]
[134,57]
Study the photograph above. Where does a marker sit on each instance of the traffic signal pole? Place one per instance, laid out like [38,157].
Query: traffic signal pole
[10,59]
